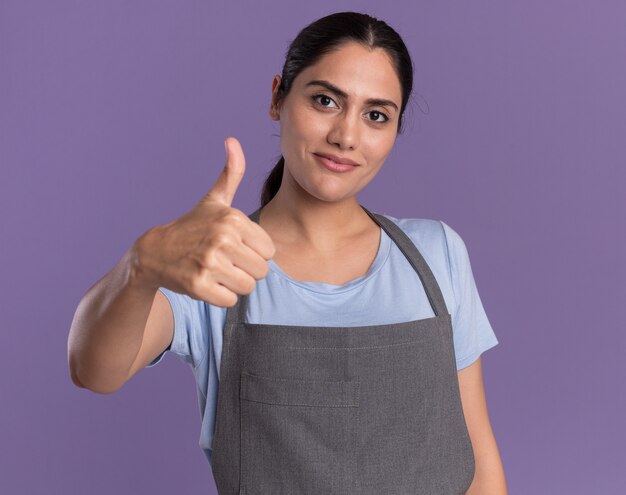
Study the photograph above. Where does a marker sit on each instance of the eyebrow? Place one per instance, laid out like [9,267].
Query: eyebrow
[343,94]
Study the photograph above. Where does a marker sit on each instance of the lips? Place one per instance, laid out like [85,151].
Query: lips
[334,166]
[337,159]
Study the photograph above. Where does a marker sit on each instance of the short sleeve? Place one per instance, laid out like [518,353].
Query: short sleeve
[472,330]
[191,329]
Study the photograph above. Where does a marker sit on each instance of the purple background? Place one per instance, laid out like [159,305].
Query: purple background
[112,120]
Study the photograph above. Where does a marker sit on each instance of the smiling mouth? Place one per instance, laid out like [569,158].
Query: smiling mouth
[340,162]
[333,165]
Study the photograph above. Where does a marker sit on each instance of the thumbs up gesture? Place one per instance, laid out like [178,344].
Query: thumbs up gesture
[212,253]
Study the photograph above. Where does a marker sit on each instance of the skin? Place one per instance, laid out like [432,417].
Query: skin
[315,219]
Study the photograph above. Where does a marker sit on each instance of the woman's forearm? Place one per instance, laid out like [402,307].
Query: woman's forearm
[107,329]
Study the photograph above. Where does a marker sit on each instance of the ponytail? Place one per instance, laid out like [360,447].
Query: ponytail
[272,182]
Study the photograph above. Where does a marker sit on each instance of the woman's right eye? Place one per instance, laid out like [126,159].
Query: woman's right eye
[315,99]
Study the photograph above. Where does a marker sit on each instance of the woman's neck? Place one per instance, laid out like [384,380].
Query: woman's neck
[301,220]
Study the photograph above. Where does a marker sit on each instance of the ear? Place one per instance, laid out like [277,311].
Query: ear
[274,115]
[274,106]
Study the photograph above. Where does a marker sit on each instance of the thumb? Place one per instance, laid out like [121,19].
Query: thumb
[228,181]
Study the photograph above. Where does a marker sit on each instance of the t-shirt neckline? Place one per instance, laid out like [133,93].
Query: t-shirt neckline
[382,254]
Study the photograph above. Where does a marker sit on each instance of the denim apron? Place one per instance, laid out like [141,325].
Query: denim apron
[362,410]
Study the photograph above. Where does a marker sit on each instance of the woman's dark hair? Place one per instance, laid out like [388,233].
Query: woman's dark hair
[326,35]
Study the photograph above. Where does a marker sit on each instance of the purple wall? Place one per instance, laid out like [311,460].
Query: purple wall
[112,120]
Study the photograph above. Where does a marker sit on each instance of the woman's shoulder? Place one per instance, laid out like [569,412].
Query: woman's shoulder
[416,226]
[426,233]
[438,242]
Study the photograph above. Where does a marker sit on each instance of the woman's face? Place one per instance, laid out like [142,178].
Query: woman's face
[317,119]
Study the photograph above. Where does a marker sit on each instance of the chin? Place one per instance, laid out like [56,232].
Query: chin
[329,196]
[325,189]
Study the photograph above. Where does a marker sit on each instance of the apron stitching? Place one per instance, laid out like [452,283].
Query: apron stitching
[408,342]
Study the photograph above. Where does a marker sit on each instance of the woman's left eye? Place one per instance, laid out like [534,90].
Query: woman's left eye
[378,114]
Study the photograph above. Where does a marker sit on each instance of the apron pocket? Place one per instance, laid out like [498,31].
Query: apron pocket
[297,436]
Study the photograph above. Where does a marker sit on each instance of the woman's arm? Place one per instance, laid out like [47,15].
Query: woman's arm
[489,476]
[119,326]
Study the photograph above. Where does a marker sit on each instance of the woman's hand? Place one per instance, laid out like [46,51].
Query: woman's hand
[212,253]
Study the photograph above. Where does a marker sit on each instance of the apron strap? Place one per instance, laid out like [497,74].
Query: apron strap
[417,261]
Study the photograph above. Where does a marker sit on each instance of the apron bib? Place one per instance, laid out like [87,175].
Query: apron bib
[342,410]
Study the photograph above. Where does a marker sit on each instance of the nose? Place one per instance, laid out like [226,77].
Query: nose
[345,130]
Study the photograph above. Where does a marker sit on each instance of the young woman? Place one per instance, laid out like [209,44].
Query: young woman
[336,350]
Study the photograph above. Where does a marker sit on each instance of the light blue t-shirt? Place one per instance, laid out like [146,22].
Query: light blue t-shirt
[390,292]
